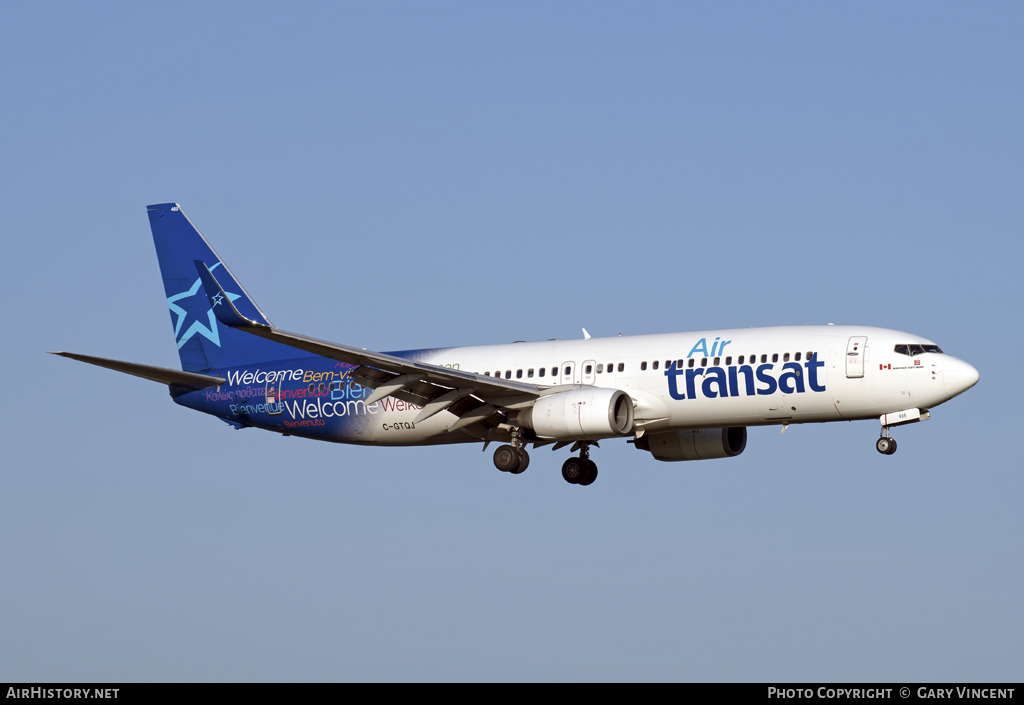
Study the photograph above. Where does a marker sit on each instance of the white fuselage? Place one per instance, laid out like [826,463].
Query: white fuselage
[800,374]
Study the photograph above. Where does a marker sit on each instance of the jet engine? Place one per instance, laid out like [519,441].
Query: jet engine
[582,414]
[700,444]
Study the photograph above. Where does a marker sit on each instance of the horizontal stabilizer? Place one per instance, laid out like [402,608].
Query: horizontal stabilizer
[191,380]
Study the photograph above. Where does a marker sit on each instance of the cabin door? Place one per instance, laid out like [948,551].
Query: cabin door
[855,350]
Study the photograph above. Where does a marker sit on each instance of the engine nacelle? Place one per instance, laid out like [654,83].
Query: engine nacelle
[701,444]
[582,414]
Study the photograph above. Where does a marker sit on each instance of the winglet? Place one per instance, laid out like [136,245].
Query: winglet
[220,302]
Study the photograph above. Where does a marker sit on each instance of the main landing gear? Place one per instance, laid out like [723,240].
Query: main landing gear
[512,458]
[581,470]
[886,445]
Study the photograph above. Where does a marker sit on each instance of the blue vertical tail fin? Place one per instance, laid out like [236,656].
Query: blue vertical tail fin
[203,342]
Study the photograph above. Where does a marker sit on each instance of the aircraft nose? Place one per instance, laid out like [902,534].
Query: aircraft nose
[958,376]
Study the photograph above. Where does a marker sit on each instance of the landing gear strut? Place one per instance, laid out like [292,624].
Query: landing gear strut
[886,445]
[512,458]
[581,470]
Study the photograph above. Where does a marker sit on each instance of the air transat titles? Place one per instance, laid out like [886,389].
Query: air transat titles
[725,381]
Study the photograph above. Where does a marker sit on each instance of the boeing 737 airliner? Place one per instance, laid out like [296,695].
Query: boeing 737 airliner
[678,396]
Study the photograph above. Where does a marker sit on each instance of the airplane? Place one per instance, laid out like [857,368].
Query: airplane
[677,396]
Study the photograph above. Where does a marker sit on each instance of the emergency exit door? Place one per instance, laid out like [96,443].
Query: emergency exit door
[568,370]
[587,369]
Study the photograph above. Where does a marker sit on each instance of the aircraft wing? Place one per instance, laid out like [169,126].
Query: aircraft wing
[473,397]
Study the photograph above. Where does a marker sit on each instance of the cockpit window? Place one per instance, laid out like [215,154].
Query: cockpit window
[912,350]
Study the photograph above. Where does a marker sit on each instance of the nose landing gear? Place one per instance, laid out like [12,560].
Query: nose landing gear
[581,470]
[886,445]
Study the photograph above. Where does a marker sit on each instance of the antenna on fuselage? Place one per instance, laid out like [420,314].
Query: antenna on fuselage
[586,335]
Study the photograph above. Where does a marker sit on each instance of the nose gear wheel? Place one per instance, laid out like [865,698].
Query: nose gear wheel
[886,444]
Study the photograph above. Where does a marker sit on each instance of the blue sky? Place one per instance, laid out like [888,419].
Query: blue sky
[420,175]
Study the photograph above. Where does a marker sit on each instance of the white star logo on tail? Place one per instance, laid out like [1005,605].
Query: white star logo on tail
[210,333]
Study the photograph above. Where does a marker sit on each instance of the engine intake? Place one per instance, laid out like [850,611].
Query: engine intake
[700,444]
[582,414]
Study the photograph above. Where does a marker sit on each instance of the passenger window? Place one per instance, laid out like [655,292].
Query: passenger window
[600,368]
[689,362]
[668,364]
[775,357]
[487,374]
[611,367]
[654,365]
[311,388]
[621,367]
[643,365]
[554,371]
[529,372]
[728,361]
[718,360]
[519,374]
[679,364]
[589,369]
[568,371]
[740,361]
[785,357]
[764,358]
[703,362]
[797,357]
[810,355]
[542,371]
[508,374]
